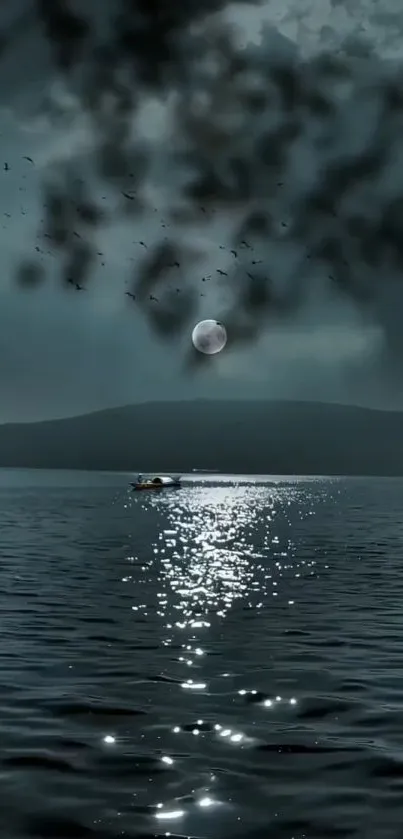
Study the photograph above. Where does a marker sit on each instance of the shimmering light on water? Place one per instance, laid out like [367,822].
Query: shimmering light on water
[209,562]
[220,662]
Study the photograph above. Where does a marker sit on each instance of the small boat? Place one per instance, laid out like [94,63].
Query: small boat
[158,483]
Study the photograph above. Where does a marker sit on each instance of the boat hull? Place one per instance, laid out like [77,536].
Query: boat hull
[154,487]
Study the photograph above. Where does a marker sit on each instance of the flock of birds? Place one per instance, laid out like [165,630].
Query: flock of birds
[244,245]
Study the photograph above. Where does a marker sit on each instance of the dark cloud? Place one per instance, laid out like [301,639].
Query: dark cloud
[295,153]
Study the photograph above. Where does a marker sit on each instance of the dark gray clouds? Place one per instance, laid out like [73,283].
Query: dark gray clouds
[64,353]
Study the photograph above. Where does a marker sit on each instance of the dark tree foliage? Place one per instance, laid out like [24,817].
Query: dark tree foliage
[240,151]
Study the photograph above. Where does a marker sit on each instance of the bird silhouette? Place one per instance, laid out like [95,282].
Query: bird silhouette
[6,167]
[223,273]
[153,298]
[235,254]
[130,197]
[77,286]
[129,294]
[25,157]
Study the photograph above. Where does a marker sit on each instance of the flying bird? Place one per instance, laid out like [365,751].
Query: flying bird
[130,197]
[25,157]
[223,273]
[77,286]
[129,294]
[235,254]
[6,167]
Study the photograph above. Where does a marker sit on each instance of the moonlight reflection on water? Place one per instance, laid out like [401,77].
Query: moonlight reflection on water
[221,662]
[210,566]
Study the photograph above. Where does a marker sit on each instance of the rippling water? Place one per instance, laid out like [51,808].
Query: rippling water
[221,661]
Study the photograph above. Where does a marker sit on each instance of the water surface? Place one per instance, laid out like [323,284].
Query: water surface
[222,661]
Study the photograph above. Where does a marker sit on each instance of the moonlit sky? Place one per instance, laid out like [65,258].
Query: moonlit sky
[68,353]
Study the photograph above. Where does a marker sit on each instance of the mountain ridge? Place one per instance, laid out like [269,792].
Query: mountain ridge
[281,437]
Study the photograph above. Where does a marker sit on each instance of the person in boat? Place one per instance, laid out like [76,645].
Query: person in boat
[140,478]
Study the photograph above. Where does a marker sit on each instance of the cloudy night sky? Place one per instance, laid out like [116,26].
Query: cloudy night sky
[65,352]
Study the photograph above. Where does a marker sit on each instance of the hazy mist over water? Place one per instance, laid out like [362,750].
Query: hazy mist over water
[220,661]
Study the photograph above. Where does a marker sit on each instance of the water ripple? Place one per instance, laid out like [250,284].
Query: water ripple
[220,662]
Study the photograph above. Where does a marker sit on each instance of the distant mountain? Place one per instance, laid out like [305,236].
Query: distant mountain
[262,437]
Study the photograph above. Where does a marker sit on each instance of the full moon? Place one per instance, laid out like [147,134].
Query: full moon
[209,336]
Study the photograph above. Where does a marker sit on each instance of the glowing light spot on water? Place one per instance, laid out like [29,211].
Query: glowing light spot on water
[236,738]
[191,685]
[167,759]
[293,701]
[206,802]
[268,703]
[109,739]
[176,730]
[225,733]
[170,814]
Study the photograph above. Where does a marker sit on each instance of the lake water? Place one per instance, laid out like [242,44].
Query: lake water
[222,661]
